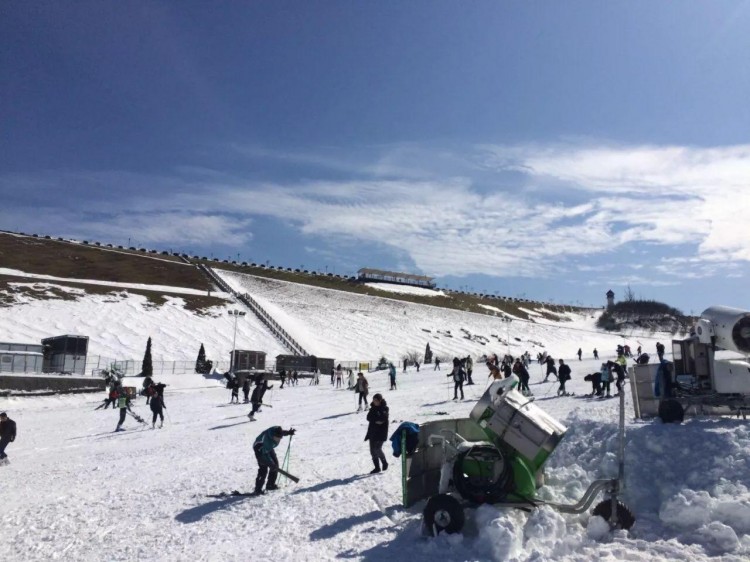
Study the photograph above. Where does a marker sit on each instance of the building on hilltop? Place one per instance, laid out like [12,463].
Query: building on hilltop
[365,275]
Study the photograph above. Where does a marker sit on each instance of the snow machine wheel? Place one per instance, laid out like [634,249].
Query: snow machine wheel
[443,513]
[671,411]
[625,517]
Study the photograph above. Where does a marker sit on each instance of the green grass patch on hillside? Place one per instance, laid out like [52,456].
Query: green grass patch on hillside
[78,261]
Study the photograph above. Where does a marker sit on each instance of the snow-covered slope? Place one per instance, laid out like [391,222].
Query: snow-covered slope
[118,325]
[350,326]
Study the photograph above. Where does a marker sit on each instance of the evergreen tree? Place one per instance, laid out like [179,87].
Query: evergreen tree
[200,363]
[147,370]
[428,354]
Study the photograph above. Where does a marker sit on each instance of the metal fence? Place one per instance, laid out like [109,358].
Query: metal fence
[95,364]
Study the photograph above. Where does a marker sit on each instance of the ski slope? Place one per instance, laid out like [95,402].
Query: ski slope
[118,324]
[350,326]
[77,491]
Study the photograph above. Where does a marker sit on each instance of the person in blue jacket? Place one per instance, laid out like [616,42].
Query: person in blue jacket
[268,464]
[392,375]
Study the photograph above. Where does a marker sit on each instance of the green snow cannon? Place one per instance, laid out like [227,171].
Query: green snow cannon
[522,437]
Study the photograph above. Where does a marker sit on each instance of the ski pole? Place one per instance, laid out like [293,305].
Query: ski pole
[285,462]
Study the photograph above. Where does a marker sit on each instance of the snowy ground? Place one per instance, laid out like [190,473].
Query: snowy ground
[76,491]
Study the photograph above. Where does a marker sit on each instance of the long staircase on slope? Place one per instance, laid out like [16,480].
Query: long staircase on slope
[259,311]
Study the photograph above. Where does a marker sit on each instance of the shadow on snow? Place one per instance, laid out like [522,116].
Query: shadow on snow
[195,514]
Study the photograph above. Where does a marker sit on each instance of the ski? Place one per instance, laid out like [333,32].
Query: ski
[290,476]
[232,494]
[137,417]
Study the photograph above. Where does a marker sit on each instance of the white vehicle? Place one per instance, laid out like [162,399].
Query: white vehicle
[709,373]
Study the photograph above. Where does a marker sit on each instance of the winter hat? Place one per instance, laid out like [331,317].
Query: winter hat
[278,432]
[3,415]
[378,396]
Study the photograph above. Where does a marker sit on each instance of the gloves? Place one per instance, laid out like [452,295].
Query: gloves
[291,431]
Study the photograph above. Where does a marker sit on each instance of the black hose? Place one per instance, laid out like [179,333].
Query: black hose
[483,489]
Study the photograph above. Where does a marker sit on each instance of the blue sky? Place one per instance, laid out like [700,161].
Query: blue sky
[551,150]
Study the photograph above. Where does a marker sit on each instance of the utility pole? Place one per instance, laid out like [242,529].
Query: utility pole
[236,313]
[507,330]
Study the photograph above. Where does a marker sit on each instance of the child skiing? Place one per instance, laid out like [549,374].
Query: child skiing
[392,375]
[268,464]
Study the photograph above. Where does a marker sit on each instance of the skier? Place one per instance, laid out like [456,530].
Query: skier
[458,375]
[351,382]
[507,370]
[147,382]
[580,352]
[295,378]
[437,364]
[361,387]
[282,377]
[123,402]
[616,366]
[405,363]
[246,389]
[469,369]
[157,408]
[551,369]
[235,384]
[596,383]
[377,432]
[416,364]
[7,435]
[638,350]
[519,369]
[563,375]
[596,354]
[257,398]
[392,375]
[333,375]
[268,464]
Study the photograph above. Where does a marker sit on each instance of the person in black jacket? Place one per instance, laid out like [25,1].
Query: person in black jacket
[377,432]
[157,407]
[8,433]
[257,398]
[563,375]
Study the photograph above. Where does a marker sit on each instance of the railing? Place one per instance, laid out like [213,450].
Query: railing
[275,328]
[95,364]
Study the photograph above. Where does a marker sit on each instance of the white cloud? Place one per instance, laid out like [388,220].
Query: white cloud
[454,213]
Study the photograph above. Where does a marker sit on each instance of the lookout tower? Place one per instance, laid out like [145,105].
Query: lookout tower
[610,298]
